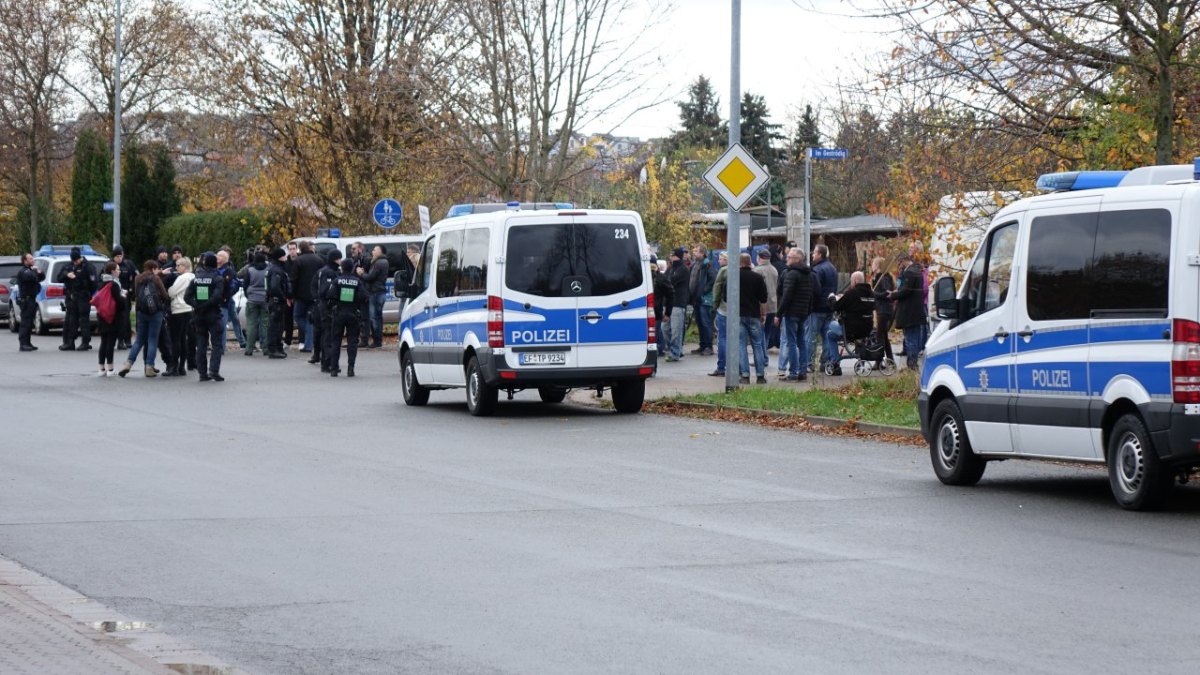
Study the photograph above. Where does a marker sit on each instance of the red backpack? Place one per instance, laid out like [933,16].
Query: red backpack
[105,303]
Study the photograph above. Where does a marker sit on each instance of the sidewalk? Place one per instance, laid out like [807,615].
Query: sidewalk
[48,629]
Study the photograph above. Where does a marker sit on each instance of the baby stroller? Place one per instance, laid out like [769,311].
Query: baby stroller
[860,344]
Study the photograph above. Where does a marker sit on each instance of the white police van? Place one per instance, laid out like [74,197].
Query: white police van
[1075,335]
[514,300]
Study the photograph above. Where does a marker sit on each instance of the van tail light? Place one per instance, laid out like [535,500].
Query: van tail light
[54,291]
[495,321]
[651,324]
[1185,361]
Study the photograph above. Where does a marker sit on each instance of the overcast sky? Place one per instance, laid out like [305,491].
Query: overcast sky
[793,52]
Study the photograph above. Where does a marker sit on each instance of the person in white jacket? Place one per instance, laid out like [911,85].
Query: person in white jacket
[180,319]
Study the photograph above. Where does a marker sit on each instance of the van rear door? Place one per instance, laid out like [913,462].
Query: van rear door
[612,304]
[541,325]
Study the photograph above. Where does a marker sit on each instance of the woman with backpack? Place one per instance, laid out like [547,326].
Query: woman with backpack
[150,301]
[110,306]
[179,319]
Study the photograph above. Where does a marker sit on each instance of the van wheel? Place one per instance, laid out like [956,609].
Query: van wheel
[481,398]
[949,448]
[628,396]
[552,394]
[40,327]
[1138,479]
[414,393]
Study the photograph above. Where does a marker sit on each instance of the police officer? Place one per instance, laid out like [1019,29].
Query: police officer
[29,285]
[79,283]
[278,292]
[323,311]
[207,295]
[126,271]
[348,294]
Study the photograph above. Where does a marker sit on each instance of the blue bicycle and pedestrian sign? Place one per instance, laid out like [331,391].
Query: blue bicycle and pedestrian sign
[387,213]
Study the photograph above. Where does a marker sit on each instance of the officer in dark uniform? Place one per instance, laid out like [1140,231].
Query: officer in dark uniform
[29,285]
[278,291]
[207,295]
[348,294]
[323,310]
[126,271]
[79,283]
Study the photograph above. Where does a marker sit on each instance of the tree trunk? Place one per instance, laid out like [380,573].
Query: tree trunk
[1164,117]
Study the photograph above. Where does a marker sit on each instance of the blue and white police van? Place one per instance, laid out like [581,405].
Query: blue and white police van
[1075,335]
[530,299]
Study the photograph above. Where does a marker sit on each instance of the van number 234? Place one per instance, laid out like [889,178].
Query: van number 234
[621,233]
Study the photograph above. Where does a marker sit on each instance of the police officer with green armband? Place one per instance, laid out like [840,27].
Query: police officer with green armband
[207,295]
[322,312]
[348,294]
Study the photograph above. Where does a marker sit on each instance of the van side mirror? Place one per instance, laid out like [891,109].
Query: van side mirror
[945,300]
[400,284]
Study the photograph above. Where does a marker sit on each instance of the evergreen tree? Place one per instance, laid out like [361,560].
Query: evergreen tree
[91,186]
[807,134]
[699,119]
[50,225]
[758,133]
[139,230]
[162,177]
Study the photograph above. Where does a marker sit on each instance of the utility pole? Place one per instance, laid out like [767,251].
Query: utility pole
[733,324]
[116,201]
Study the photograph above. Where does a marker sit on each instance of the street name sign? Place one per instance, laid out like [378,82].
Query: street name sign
[828,153]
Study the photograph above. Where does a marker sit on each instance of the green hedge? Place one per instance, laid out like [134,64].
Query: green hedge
[210,230]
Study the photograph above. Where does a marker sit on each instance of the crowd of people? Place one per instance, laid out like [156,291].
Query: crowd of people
[786,303]
[182,309]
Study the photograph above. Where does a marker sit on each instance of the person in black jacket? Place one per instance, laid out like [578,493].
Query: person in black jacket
[910,307]
[856,310]
[278,291]
[882,284]
[126,271]
[323,310]
[348,295]
[375,277]
[207,296]
[29,285]
[795,304]
[752,295]
[79,283]
[680,299]
[664,294]
[308,263]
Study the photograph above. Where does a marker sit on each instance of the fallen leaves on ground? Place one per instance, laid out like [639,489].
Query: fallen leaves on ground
[774,421]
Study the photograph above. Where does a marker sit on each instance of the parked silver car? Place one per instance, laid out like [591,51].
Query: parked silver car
[50,310]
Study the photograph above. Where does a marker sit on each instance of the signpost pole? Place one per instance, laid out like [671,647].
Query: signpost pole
[116,236]
[732,217]
[807,200]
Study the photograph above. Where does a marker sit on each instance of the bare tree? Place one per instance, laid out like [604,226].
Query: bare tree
[35,43]
[533,73]
[158,50]
[332,83]
[1040,66]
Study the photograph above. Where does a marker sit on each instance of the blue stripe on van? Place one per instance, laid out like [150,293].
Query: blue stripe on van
[1130,331]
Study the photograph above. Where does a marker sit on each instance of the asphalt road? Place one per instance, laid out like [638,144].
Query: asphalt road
[293,523]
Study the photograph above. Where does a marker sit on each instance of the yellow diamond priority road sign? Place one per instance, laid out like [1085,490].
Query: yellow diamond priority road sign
[736,176]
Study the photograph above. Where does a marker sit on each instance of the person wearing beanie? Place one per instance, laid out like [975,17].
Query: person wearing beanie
[79,284]
[254,285]
[322,317]
[206,295]
[126,271]
[680,279]
[348,296]
[278,291]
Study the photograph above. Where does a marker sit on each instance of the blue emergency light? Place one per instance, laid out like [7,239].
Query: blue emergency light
[49,250]
[1079,180]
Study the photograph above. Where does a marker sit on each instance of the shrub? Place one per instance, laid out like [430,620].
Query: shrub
[210,230]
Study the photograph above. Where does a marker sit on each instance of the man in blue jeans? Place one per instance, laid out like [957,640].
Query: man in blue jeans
[700,288]
[376,281]
[719,304]
[795,302]
[229,311]
[752,296]
[816,329]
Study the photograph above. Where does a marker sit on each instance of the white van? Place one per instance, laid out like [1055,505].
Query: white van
[514,300]
[1075,335]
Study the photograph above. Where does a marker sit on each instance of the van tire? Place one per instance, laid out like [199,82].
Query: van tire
[481,397]
[414,393]
[628,396]
[552,394]
[1138,479]
[949,448]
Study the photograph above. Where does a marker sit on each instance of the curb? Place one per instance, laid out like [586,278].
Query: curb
[831,422]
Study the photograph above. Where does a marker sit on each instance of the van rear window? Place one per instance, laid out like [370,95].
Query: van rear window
[541,259]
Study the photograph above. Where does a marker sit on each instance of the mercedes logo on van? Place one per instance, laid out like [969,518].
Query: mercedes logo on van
[576,287]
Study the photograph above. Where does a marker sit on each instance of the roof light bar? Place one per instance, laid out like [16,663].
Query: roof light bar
[1079,180]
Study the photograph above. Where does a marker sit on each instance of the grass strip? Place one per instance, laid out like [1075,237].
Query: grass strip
[877,400]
